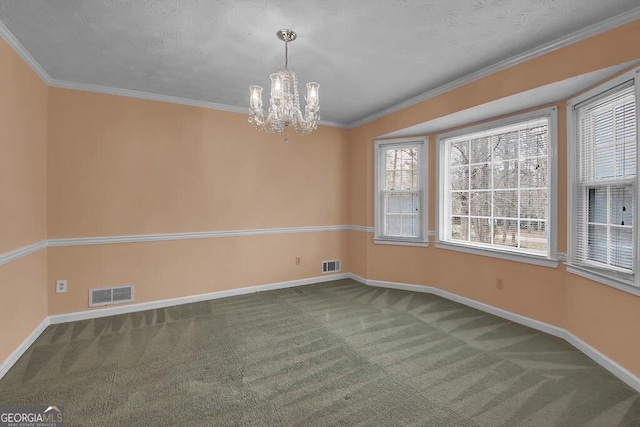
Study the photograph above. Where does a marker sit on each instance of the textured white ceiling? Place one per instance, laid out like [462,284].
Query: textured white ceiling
[367,55]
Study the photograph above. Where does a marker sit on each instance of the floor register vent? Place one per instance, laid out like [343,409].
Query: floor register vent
[330,266]
[107,296]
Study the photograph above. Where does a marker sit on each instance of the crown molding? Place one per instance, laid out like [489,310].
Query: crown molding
[24,54]
[149,96]
[86,87]
[556,44]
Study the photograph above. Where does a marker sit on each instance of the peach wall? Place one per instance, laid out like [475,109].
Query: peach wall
[120,166]
[23,163]
[170,269]
[23,198]
[603,317]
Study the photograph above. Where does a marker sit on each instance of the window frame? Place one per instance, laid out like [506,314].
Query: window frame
[379,168]
[609,276]
[548,260]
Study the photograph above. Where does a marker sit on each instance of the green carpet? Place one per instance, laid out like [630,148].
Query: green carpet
[337,353]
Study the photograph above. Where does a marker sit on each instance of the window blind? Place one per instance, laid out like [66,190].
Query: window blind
[606,193]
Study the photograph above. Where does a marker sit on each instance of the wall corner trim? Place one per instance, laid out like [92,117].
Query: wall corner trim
[18,352]
[610,365]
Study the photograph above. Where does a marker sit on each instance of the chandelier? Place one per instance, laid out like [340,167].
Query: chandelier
[284,102]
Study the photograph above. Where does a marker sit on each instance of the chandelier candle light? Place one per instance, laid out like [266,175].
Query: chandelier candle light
[284,102]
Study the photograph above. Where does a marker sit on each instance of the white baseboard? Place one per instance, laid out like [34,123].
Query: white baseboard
[604,361]
[13,357]
[616,369]
[132,308]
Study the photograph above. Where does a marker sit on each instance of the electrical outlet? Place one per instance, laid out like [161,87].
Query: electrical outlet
[61,286]
[499,283]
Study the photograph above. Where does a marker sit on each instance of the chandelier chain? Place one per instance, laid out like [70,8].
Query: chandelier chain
[286,54]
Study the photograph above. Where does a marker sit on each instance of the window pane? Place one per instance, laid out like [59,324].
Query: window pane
[393,203]
[533,172]
[622,247]
[603,127]
[480,230]
[533,141]
[604,163]
[598,205]
[401,203]
[533,204]
[394,223]
[626,158]
[621,205]
[480,152]
[408,203]
[505,204]
[460,203]
[459,178]
[390,181]
[598,243]
[409,225]
[505,146]
[533,235]
[505,232]
[408,180]
[505,174]
[393,160]
[459,228]
[480,177]
[459,153]
[402,215]
[625,121]
[480,204]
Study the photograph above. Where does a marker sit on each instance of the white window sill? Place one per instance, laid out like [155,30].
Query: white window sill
[603,277]
[397,242]
[509,256]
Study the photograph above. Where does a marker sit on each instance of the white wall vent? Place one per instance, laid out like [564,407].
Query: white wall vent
[330,266]
[106,296]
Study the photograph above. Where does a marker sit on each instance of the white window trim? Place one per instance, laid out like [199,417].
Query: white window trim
[550,260]
[423,153]
[595,274]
